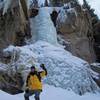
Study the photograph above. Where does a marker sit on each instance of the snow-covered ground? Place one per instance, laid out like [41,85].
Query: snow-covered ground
[64,69]
[53,93]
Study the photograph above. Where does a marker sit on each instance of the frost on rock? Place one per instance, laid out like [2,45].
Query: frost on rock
[40,2]
[64,69]
[43,28]
[66,15]
[62,15]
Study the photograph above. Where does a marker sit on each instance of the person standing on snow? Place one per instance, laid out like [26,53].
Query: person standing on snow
[33,82]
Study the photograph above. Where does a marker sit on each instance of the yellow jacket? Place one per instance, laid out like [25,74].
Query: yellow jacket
[34,80]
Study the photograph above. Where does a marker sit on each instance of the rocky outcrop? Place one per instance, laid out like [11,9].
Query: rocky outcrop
[74,24]
[14,28]
[11,84]
[13,25]
[80,29]
[95,28]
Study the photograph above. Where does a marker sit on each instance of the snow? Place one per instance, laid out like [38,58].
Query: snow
[65,15]
[53,93]
[64,69]
[62,16]
[96,75]
[7,4]
[40,2]
[27,57]
[96,64]
[43,28]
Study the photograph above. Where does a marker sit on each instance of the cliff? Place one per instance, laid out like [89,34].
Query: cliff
[60,34]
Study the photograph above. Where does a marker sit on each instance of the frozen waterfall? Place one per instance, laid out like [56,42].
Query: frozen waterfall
[43,28]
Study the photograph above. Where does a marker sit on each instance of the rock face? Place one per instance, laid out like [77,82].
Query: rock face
[97,40]
[12,68]
[14,28]
[95,28]
[74,24]
[11,84]
[12,24]
[9,29]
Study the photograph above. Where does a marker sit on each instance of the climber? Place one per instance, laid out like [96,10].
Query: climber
[33,82]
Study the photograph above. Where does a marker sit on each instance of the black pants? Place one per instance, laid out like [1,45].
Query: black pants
[29,93]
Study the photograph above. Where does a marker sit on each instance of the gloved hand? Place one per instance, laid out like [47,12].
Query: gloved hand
[42,66]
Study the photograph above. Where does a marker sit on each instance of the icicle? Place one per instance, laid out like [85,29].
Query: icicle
[10,4]
[7,4]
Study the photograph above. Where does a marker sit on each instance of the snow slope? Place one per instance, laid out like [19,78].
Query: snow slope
[64,69]
[53,93]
